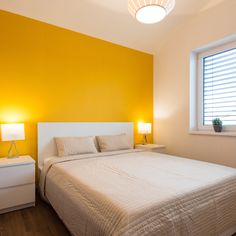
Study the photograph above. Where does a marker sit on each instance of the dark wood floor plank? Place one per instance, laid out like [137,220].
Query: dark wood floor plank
[40,220]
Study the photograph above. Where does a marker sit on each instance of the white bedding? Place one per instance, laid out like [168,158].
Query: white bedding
[140,193]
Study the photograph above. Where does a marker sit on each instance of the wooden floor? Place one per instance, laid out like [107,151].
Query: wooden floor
[36,221]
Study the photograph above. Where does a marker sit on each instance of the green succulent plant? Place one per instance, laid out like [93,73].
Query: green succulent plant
[217,121]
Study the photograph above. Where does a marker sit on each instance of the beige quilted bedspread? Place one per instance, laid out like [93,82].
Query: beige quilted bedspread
[141,193]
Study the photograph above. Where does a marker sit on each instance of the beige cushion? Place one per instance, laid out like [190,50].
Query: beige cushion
[67,146]
[113,142]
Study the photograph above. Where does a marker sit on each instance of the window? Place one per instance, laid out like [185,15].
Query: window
[217,87]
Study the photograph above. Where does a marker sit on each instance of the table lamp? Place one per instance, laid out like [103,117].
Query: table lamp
[144,128]
[12,132]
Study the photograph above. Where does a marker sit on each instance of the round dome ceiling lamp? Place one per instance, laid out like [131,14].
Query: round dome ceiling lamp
[150,11]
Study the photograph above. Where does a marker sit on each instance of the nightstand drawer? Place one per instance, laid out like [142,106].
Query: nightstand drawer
[15,196]
[17,175]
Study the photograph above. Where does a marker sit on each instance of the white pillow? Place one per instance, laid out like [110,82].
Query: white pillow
[113,143]
[67,146]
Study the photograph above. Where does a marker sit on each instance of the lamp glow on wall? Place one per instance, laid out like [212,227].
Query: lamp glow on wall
[144,128]
[150,11]
[12,132]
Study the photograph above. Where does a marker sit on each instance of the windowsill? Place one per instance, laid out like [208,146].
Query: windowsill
[223,133]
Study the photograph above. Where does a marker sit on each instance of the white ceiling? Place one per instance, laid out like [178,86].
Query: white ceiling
[108,19]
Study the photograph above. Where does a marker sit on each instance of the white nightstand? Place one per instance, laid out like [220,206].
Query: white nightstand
[151,147]
[17,183]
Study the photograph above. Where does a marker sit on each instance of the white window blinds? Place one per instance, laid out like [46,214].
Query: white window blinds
[219,87]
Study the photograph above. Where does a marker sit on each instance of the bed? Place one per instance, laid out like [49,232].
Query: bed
[133,192]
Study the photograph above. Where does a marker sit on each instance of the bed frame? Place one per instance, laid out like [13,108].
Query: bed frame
[47,132]
[47,148]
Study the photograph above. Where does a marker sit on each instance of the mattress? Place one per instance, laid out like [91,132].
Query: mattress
[140,193]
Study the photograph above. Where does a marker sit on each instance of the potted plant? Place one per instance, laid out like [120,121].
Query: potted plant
[217,124]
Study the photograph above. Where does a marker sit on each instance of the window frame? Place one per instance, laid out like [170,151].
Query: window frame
[200,92]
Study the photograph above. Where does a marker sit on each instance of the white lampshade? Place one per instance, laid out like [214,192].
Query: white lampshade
[144,128]
[12,132]
[150,11]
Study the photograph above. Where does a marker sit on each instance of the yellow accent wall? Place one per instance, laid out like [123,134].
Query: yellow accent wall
[50,74]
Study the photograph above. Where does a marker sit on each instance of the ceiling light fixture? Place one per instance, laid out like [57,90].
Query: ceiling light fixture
[150,11]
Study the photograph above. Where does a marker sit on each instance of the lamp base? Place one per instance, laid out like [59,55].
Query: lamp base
[144,140]
[13,146]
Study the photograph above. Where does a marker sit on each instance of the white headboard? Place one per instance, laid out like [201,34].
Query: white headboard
[47,132]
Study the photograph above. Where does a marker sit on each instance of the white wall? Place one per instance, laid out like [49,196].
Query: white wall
[171,87]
